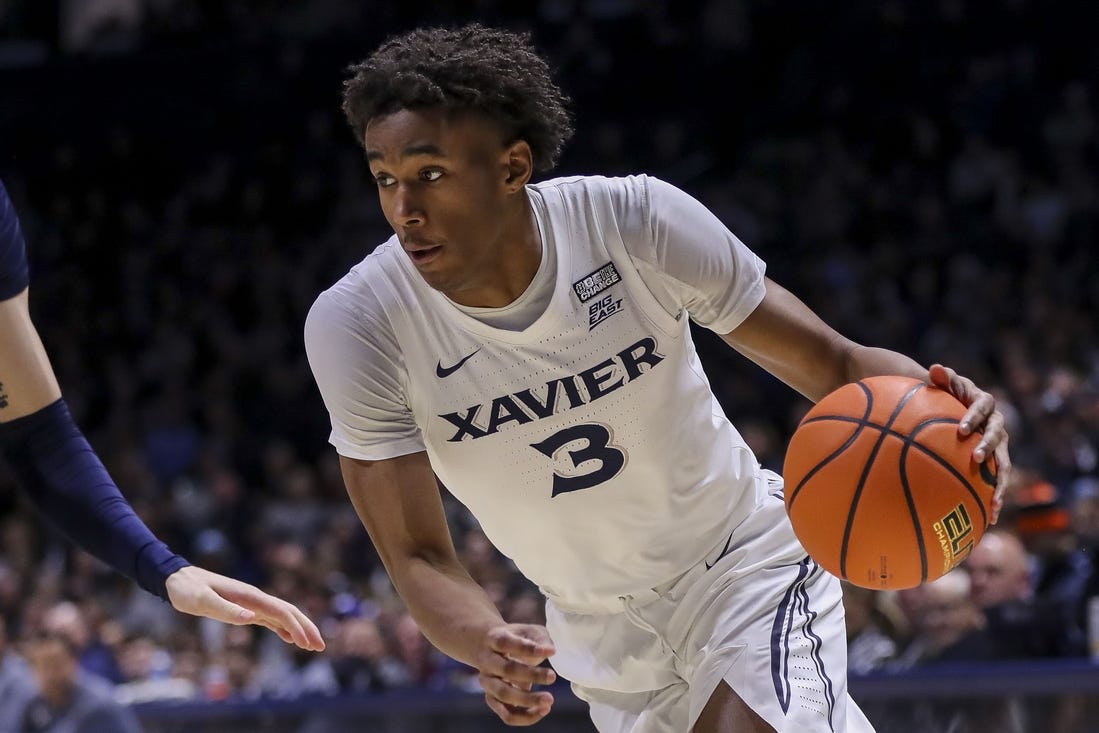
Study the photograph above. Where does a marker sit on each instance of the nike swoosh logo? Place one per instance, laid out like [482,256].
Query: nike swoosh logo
[724,552]
[443,372]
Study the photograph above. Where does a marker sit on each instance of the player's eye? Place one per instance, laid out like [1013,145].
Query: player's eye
[431,174]
[384,180]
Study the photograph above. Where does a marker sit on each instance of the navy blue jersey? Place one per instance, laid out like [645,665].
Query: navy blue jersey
[13,252]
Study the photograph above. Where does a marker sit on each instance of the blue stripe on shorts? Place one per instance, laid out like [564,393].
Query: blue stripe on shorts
[795,604]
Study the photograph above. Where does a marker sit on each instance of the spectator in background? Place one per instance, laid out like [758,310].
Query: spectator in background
[1044,524]
[148,673]
[872,628]
[947,625]
[238,660]
[69,700]
[1021,625]
[1084,511]
[418,661]
[16,686]
[360,663]
[69,620]
[297,675]
[1085,521]
[949,628]
[999,570]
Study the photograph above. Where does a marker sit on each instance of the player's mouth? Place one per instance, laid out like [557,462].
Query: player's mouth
[422,253]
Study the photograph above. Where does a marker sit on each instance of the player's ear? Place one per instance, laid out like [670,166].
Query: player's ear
[519,163]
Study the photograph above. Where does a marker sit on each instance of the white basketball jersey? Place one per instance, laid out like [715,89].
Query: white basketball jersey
[589,445]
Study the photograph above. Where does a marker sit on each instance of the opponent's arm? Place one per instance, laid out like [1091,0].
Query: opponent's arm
[69,485]
[398,501]
[790,341]
[57,468]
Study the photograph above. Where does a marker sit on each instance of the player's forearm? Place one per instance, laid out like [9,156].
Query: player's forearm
[869,361]
[67,482]
[453,611]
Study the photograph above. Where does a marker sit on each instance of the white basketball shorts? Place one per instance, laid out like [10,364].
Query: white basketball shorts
[758,614]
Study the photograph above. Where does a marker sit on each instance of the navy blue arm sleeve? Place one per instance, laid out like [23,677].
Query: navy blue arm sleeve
[68,483]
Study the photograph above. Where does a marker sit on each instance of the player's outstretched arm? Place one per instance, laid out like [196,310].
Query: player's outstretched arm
[200,592]
[69,485]
[786,338]
[57,468]
[398,502]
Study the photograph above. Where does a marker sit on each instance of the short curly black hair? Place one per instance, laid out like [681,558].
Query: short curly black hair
[488,71]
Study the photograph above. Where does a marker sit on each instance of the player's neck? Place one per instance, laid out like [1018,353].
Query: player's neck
[506,278]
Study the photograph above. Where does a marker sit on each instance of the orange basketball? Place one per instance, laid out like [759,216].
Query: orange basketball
[880,488]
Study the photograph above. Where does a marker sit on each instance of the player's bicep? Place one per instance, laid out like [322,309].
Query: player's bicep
[399,503]
[707,269]
[789,340]
[27,382]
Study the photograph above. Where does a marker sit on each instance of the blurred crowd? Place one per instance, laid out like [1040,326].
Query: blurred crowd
[923,174]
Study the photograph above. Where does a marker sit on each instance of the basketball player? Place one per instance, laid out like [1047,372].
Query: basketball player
[67,482]
[528,345]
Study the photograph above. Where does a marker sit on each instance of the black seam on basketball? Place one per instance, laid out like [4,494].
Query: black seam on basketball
[828,459]
[988,475]
[848,528]
[911,439]
[862,423]
[902,466]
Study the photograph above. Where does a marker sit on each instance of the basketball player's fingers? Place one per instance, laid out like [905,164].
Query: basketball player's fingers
[526,644]
[1003,476]
[516,716]
[283,633]
[515,697]
[942,377]
[288,632]
[201,592]
[516,671]
[288,617]
[276,612]
[980,404]
[190,591]
[992,434]
[279,631]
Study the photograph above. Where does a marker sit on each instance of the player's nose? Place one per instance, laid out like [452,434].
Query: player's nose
[408,207]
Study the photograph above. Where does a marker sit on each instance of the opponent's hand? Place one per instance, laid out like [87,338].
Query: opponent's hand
[508,663]
[983,417]
[200,592]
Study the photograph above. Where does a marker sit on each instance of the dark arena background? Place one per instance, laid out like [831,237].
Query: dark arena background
[925,174]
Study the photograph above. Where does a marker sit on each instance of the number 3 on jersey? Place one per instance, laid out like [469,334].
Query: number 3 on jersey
[580,445]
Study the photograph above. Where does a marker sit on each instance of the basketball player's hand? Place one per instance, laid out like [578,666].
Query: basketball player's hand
[509,664]
[200,592]
[981,417]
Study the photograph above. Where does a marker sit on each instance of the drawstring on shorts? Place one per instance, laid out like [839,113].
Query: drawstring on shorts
[635,617]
